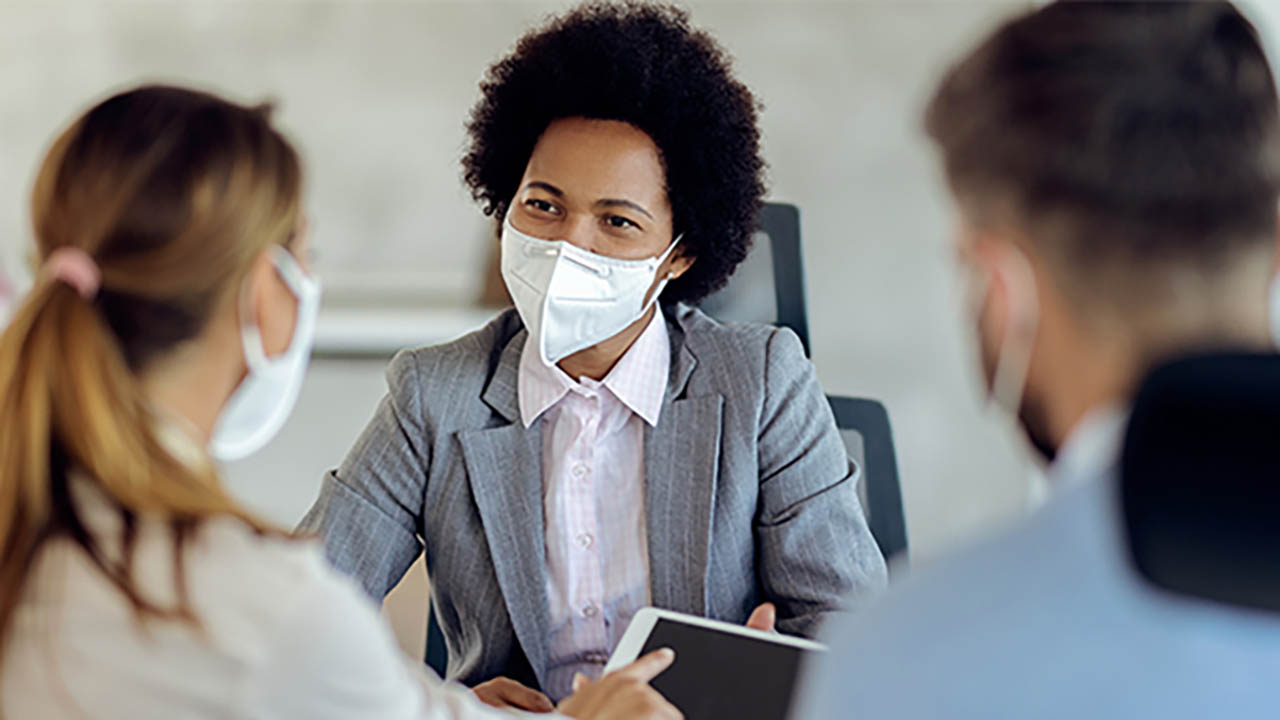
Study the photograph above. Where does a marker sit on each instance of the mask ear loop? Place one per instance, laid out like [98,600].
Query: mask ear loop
[657,261]
[1014,361]
[662,284]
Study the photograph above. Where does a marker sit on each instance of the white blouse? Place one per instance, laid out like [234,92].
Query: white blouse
[282,636]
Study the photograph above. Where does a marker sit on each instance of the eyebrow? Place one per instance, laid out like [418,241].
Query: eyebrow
[611,202]
[545,186]
[606,202]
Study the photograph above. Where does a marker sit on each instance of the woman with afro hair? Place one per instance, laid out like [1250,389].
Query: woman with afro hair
[603,445]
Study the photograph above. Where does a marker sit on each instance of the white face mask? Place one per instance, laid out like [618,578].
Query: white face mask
[571,299]
[1008,383]
[259,407]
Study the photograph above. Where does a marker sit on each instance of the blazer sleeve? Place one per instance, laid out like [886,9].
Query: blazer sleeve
[370,508]
[815,550]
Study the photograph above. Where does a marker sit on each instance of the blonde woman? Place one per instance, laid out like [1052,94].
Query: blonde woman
[171,322]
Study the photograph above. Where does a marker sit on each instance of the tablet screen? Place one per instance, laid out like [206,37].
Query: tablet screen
[717,675]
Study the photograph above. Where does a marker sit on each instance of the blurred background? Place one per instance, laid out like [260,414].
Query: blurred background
[375,94]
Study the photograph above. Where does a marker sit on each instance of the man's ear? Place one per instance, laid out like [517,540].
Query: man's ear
[1013,297]
[1277,267]
[982,255]
[1018,272]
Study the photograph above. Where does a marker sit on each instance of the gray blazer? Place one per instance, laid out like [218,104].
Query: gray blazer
[749,493]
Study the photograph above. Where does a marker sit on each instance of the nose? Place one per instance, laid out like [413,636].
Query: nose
[581,232]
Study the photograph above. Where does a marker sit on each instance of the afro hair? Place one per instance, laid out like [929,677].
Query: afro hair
[642,64]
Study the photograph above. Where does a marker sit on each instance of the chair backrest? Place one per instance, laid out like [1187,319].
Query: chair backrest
[768,287]
[864,427]
[1200,479]
[437,653]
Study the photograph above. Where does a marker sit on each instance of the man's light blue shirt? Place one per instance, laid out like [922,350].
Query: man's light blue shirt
[1049,620]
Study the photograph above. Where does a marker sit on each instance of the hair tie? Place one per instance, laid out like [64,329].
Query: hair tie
[76,268]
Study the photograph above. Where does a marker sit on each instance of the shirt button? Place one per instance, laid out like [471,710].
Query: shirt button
[586,540]
[590,611]
[580,470]
[599,658]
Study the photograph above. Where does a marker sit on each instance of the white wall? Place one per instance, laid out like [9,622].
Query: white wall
[376,92]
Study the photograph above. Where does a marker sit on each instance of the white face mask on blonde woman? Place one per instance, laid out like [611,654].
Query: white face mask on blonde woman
[259,407]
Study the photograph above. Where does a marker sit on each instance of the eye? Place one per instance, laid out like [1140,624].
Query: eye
[619,222]
[540,205]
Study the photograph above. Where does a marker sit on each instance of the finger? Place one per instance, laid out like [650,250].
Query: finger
[524,698]
[763,618]
[649,666]
[489,697]
[580,681]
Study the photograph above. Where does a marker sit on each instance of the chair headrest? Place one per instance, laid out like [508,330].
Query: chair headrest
[1200,479]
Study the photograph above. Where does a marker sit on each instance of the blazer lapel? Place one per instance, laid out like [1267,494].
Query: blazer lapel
[504,466]
[681,462]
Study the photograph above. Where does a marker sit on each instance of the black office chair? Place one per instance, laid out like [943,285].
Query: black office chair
[1200,479]
[437,655]
[864,427]
[768,287]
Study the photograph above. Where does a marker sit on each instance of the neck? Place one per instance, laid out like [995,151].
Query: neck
[596,361]
[1104,364]
[191,386]
[1102,380]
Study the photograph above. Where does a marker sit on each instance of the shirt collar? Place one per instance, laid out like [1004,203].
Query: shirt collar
[638,380]
[178,436]
[1092,448]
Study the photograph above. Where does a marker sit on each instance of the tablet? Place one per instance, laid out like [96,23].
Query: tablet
[721,670]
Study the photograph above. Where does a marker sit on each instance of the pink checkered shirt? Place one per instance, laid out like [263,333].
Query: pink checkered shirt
[593,498]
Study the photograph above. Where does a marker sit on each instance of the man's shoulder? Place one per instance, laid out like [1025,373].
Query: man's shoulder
[942,633]
[1042,620]
[996,577]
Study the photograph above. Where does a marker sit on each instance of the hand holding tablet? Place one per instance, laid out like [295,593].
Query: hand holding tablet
[721,670]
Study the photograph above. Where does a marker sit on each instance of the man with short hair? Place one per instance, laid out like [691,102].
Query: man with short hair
[1116,168]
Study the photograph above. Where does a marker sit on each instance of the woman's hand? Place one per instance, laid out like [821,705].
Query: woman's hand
[504,692]
[623,694]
